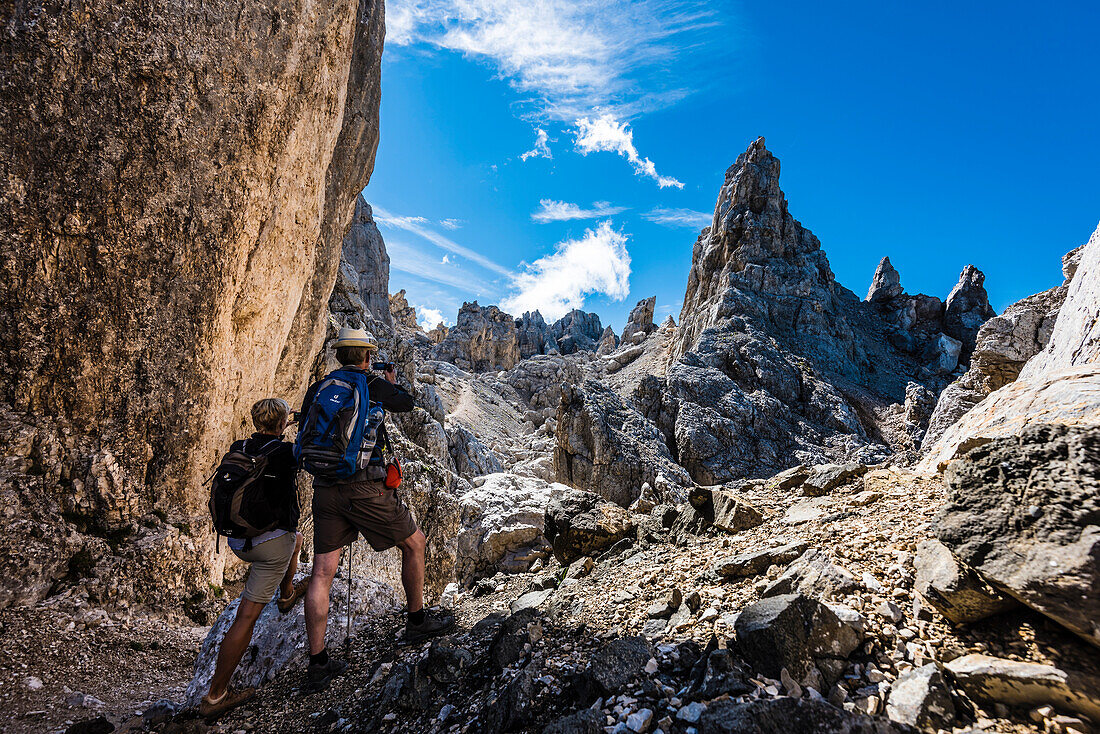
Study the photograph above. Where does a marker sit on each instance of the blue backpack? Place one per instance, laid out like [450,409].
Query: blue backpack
[337,436]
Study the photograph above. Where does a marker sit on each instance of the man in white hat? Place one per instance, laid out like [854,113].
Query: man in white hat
[363,505]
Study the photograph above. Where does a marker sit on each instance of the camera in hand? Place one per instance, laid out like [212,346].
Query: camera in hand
[385,366]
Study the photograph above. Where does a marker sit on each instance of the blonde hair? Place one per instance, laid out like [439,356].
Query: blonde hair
[269,413]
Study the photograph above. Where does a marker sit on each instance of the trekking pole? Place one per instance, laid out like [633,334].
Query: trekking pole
[347,638]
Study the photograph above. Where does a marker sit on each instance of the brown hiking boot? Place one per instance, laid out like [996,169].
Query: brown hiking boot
[232,698]
[298,591]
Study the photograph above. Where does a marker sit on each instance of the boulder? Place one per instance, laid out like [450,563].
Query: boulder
[786,715]
[1023,511]
[825,478]
[1015,683]
[585,721]
[579,524]
[618,664]
[954,590]
[606,446]
[920,698]
[814,574]
[501,525]
[755,563]
[790,478]
[471,457]
[942,354]
[794,632]
[279,640]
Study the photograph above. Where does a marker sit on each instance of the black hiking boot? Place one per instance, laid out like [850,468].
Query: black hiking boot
[318,677]
[436,622]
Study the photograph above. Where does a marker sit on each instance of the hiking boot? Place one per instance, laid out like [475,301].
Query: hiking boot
[435,623]
[296,593]
[232,698]
[319,676]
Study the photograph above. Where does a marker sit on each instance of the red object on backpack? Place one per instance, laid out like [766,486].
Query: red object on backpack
[393,474]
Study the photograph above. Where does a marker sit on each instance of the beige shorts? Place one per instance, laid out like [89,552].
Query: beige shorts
[270,561]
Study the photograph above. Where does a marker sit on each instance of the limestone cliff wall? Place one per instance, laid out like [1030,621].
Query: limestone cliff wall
[176,182]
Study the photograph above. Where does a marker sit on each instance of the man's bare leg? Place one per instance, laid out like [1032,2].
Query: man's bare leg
[412,569]
[320,584]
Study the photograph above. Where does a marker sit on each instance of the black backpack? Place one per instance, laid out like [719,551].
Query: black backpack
[239,503]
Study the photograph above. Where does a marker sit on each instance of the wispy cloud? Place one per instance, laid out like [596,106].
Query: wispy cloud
[607,134]
[416,226]
[430,317]
[542,146]
[413,260]
[555,284]
[567,58]
[451,224]
[561,211]
[679,217]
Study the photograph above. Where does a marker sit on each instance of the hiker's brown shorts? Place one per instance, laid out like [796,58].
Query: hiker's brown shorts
[342,512]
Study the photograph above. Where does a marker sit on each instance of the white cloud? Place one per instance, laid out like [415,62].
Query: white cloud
[413,260]
[606,134]
[555,284]
[451,224]
[561,211]
[542,146]
[679,217]
[569,57]
[416,226]
[430,317]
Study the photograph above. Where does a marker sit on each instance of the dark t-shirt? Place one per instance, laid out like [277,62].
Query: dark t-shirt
[392,397]
[281,483]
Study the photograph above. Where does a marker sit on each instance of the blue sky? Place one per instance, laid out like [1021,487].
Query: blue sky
[557,153]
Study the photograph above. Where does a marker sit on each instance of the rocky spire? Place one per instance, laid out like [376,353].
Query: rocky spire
[403,313]
[967,308]
[608,342]
[886,285]
[758,260]
[640,320]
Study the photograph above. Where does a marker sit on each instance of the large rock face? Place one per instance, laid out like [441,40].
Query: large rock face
[774,363]
[365,262]
[1024,512]
[575,331]
[502,525]
[177,184]
[607,447]
[484,338]
[1060,384]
